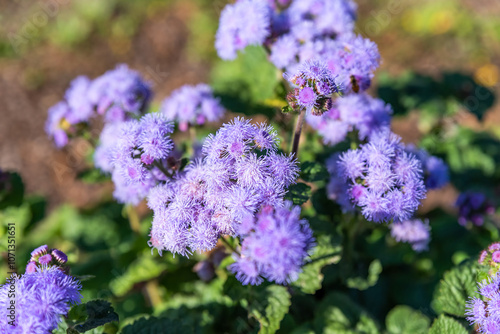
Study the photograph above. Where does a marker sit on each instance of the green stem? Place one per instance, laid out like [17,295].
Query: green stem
[229,246]
[162,168]
[298,131]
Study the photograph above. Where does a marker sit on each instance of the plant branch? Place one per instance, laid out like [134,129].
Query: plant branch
[298,131]
[229,246]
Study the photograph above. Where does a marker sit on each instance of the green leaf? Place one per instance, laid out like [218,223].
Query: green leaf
[267,304]
[457,285]
[11,189]
[447,325]
[142,269]
[298,193]
[246,83]
[313,171]
[327,251]
[100,312]
[269,307]
[403,319]
[153,325]
[362,283]
[338,314]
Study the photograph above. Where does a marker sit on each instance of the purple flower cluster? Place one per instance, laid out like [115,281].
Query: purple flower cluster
[192,105]
[485,312]
[42,295]
[415,232]
[436,174]
[240,172]
[359,112]
[117,94]
[43,256]
[383,180]
[314,87]
[246,22]
[473,207]
[351,59]
[315,19]
[136,153]
[491,257]
[276,242]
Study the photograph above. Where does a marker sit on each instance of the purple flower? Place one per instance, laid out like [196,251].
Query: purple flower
[314,86]
[240,171]
[415,232]
[436,173]
[284,51]
[391,178]
[56,126]
[246,22]
[119,93]
[192,105]
[359,112]
[275,244]
[473,207]
[81,108]
[43,296]
[486,312]
[330,17]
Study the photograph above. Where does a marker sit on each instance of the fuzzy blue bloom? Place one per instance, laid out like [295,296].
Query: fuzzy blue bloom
[240,171]
[284,51]
[359,112]
[275,244]
[43,296]
[473,207]
[436,173]
[380,178]
[246,22]
[485,312]
[192,105]
[314,86]
[415,232]
[136,153]
[330,18]
[119,93]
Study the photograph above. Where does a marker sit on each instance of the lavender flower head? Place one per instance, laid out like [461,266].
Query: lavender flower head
[240,172]
[136,153]
[43,295]
[359,112]
[415,232]
[275,244]
[383,180]
[246,22]
[314,87]
[330,18]
[485,312]
[491,257]
[473,207]
[436,174]
[119,94]
[192,105]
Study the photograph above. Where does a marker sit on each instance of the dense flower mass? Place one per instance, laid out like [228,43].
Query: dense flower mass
[313,88]
[246,22]
[473,207]
[485,312]
[136,153]
[436,173]
[43,295]
[383,180]
[118,94]
[359,112]
[491,257]
[415,232]
[192,105]
[275,243]
[240,172]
